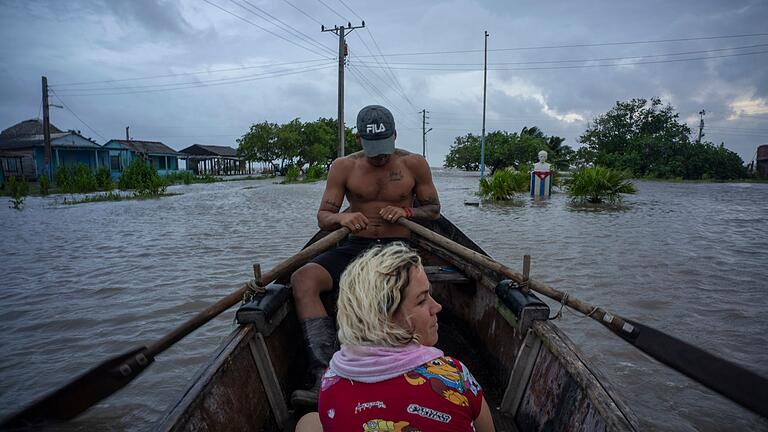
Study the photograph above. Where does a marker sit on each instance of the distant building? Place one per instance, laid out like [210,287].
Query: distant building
[122,152]
[22,150]
[215,160]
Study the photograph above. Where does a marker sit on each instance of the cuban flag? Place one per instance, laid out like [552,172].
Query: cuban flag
[541,184]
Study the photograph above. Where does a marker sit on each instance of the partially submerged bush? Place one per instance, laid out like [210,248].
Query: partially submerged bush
[45,185]
[142,177]
[18,189]
[104,179]
[292,175]
[315,172]
[598,184]
[504,184]
[63,179]
[83,181]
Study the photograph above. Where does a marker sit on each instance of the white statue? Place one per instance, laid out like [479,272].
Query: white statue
[541,165]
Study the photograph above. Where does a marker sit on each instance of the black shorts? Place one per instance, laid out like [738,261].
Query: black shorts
[336,260]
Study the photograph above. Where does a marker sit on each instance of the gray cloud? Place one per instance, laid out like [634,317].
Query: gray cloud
[96,40]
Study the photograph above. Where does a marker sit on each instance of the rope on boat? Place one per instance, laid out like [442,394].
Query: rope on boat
[563,305]
[254,290]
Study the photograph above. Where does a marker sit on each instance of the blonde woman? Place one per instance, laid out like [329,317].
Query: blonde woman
[388,376]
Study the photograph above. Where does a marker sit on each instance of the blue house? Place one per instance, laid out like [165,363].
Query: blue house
[22,150]
[122,152]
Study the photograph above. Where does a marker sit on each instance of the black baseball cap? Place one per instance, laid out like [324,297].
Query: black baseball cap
[376,127]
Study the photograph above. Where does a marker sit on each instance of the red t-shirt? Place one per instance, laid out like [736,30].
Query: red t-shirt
[440,395]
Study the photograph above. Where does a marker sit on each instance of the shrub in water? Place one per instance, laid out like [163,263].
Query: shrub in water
[142,177]
[292,174]
[45,185]
[504,184]
[597,184]
[63,179]
[315,172]
[18,188]
[83,180]
[104,179]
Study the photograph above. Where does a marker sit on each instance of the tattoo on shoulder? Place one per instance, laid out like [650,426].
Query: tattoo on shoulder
[356,155]
[395,175]
[330,203]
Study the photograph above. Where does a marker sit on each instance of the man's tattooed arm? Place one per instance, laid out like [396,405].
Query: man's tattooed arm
[429,208]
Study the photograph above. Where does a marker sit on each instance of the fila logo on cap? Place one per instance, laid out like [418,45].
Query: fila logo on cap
[372,128]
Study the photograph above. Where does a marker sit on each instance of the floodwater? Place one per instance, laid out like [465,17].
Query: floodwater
[85,282]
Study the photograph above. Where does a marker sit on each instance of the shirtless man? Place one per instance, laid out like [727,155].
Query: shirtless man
[379,183]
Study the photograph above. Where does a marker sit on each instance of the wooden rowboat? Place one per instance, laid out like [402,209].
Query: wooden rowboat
[535,379]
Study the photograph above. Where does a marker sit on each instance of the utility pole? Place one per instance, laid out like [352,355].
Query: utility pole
[702,113]
[485,79]
[341,32]
[127,138]
[424,132]
[47,132]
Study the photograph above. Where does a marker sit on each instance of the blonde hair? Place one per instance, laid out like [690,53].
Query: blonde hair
[370,292]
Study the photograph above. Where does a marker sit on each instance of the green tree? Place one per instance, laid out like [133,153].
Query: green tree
[464,153]
[259,144]
[647,139]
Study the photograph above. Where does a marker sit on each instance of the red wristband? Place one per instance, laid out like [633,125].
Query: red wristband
[408,212]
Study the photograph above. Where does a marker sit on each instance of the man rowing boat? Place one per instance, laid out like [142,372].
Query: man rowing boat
[379,182]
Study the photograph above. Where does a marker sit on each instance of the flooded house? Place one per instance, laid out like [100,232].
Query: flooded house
[215,160]
[121,152]
[22,150]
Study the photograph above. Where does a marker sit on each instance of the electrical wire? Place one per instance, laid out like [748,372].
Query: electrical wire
[580,45]
[304,13]
[77,116]
[264,29]
[59,86]
[582,60]
[573,67]
[183,83]
[296,33]
[333,10]
[233,81]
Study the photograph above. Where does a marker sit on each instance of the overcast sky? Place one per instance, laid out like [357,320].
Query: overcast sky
[226,73]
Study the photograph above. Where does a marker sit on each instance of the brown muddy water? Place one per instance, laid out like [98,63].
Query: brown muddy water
[81,283]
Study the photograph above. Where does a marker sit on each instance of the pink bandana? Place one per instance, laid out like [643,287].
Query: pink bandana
[371,364]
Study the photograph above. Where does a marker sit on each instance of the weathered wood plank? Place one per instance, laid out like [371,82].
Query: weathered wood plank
[615,413]
[521,373]
[269,379]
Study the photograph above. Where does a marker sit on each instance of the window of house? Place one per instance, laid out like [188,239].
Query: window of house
[12,165]
[114,163]
[161,163]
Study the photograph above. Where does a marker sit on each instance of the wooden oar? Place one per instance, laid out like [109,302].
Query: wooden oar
[113,374]
[735,382]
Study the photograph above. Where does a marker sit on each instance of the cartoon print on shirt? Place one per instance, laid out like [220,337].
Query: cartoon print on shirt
[379,425]
[474,386]
[444,378]
[329,378]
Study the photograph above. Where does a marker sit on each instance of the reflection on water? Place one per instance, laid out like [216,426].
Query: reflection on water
[83,283]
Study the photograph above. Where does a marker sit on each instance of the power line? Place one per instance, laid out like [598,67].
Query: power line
[584,60]
[183,83]
[58,86]
[77,116]
[333,10]
[580,45]
[294,31]
[262,28]
[233,81]
[304,13]
[576,66]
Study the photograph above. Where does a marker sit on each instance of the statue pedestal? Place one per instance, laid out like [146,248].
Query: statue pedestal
[541,184]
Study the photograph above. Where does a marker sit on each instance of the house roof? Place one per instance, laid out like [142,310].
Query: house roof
[26,128]
[69,139]
[209,150]
[148,147]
